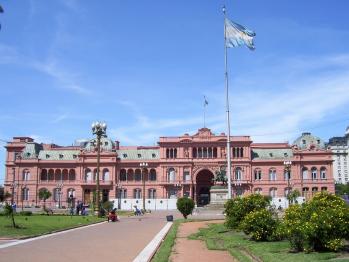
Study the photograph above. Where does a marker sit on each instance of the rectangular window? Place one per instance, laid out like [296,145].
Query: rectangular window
[186,176]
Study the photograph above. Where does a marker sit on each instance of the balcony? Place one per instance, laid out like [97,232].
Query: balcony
[101,182]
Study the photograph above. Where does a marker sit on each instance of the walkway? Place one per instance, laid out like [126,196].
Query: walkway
[121,241]
[186,250]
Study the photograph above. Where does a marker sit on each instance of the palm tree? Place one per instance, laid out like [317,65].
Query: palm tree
[44,194]
[8,209]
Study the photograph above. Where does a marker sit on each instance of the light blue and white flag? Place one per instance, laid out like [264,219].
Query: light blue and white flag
[238,35]
[205,101]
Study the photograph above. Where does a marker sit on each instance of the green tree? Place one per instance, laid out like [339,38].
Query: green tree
[293,195]
[44,194]
[319,225]
[185,205]
[8,210]
[236,209]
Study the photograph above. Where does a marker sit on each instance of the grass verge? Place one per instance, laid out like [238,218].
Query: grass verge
[164,251]
[41,224]
[218,237]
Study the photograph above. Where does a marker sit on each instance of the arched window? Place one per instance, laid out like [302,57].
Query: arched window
[287,191]
[65,174]
[214,152]
[238,173]
[56,194]
[273,192]
[71,193]
[123,175]
[314,173]
[51,174]
[258,190]
[287,174]
[314,189]
[88,175]
[323,188]
[257,174]
[171,174]
[26,175]
[58,175]
[43,175]
[152,174]
[204,152]
[152,193]
[305,173]
[323,173]
[167,153]
[25,194]
[138,175]
[305,189]
[130,175]
[72,175]
[241,152]
[175,153]
[209,152]
[200,152]
[238,152]
[194,152]
[137,192]
[122,193]
[272,174]
[105,176]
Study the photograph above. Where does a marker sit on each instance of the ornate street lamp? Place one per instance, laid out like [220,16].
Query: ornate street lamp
[99,129]
[143,166]
[288,165]
[59,187]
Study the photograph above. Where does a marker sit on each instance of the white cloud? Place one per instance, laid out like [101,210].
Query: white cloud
[278,112]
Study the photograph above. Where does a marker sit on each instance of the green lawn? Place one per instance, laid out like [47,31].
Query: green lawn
[42,224]
[218,237]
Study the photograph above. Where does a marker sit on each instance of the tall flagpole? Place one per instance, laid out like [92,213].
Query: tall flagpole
[227,107]
[204,111]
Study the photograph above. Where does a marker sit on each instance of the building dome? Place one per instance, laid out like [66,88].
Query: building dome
[106,144]
[307,140]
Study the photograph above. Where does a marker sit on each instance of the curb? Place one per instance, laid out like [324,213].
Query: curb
[148,252]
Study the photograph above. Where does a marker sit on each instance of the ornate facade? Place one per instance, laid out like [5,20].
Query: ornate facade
[178,166]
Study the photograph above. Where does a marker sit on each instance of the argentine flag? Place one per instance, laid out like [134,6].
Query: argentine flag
[238,35]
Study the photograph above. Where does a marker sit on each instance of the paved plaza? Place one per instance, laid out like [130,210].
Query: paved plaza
[121,241]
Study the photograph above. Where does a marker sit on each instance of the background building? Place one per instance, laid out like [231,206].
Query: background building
[178,166]
[340,150]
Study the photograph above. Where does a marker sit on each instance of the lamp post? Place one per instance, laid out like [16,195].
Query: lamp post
[59,187]
[287,165]
[98,129]
[143,166]
[119,190]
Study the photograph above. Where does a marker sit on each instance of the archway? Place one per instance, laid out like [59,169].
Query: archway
[204,181]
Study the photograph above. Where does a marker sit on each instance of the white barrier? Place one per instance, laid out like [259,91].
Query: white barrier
[152,204]
[282,202]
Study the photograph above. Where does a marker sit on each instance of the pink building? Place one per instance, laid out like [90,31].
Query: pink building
[178,166]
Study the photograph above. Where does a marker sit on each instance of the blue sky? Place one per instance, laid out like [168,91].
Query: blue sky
[144,67]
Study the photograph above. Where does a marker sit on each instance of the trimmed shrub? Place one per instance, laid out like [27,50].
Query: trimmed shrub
[295,227]
[25,213]
[236,209]
[185,205]
[319,225]
[260,224]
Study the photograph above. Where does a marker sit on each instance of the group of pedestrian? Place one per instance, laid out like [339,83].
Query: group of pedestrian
[80,209]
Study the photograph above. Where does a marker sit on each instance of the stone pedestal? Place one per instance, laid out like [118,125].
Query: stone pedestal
[218,195]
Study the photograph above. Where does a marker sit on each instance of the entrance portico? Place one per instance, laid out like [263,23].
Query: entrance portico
[204,181]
